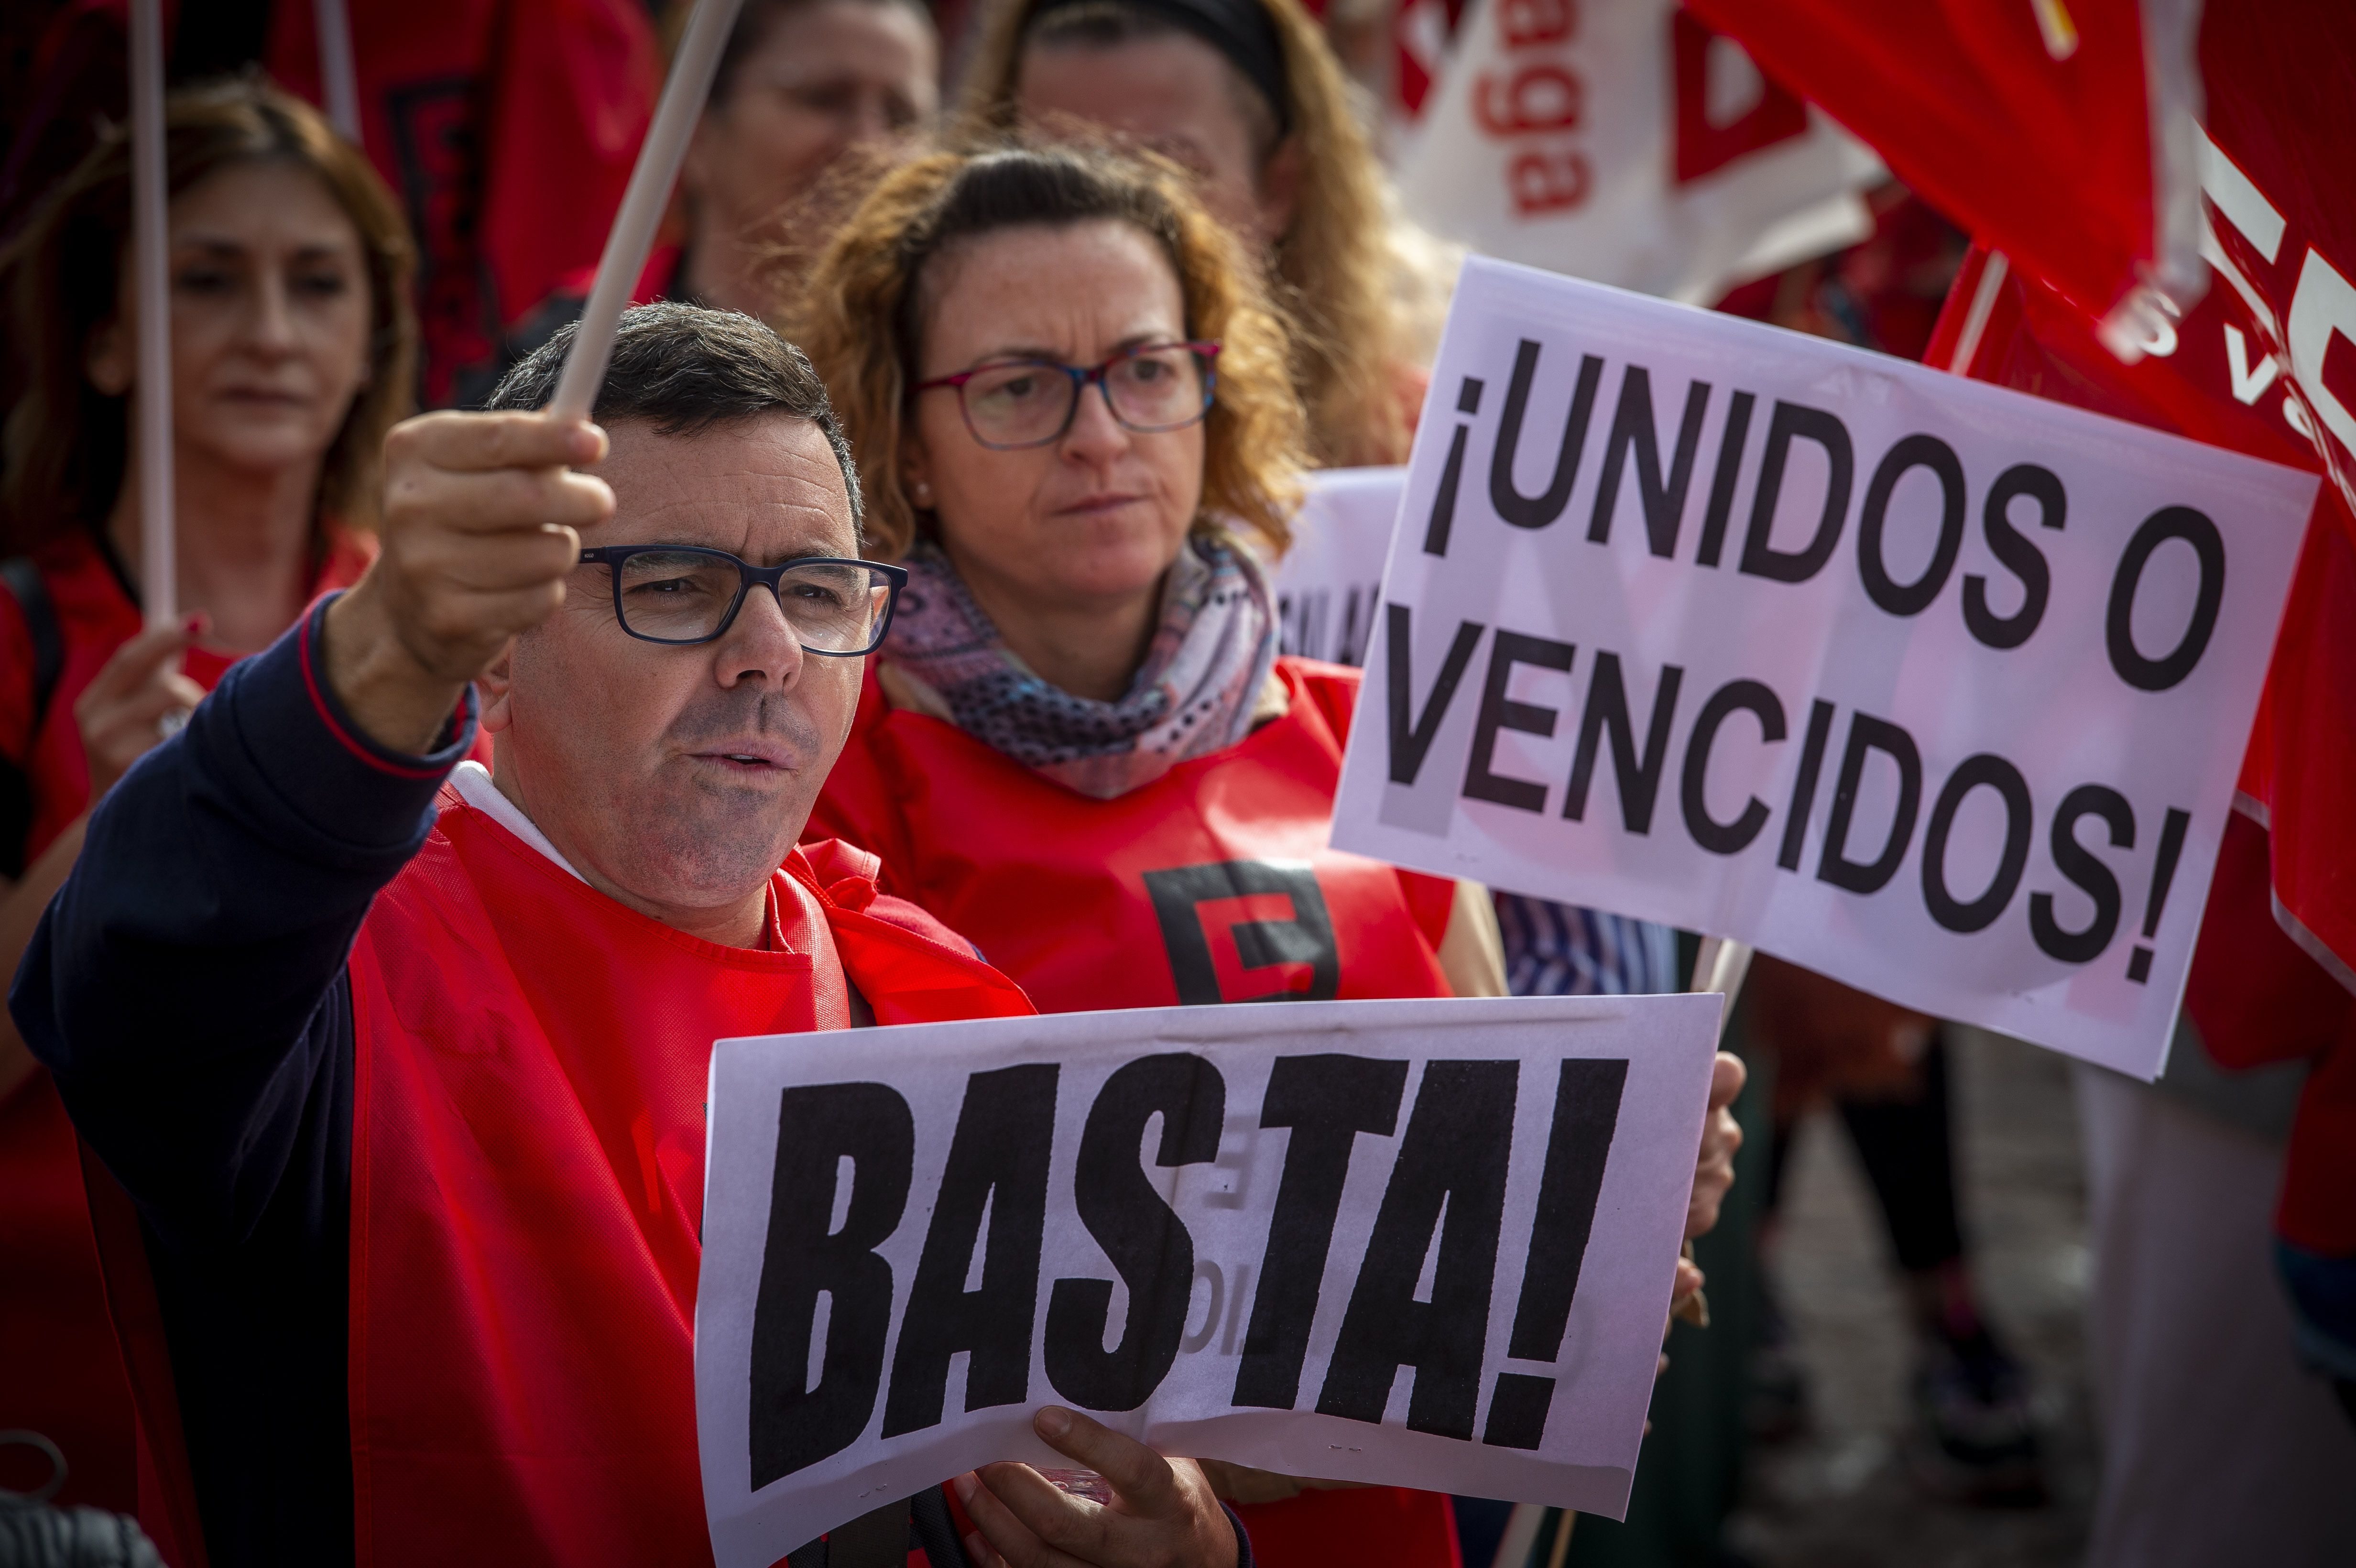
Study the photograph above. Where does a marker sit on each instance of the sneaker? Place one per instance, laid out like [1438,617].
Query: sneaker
[1977,1439]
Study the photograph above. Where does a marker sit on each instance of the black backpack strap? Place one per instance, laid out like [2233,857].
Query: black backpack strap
[32,595]
[23,580]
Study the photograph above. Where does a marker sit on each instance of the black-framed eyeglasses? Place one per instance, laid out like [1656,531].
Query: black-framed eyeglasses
[683,595]
[1010,404]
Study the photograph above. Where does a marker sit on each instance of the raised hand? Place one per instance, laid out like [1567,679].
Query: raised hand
[1163,1514]
[480,514]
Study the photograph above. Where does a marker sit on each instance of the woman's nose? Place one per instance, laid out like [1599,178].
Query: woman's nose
[1094,432]
[270,320]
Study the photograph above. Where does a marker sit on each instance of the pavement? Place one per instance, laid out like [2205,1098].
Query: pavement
[1842,1494]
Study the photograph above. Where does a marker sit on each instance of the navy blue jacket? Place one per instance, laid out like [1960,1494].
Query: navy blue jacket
[187,989]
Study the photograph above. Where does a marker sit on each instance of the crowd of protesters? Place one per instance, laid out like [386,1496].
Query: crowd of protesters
[1015,348]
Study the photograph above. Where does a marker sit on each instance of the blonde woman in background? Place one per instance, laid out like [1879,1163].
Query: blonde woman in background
[1248,97]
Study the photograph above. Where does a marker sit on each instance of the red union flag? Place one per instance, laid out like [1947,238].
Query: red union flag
[2061,130]
[1624,141]
[2034,125]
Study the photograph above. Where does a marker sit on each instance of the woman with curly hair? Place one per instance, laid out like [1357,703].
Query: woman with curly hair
[293,351]
[1067,395]
[1248,97]
[1069,399]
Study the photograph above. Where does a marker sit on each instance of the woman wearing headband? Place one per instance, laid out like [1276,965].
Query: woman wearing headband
[1245,95]
[1068,397]
[293,351]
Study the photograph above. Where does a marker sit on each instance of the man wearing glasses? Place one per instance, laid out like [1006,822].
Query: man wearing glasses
[405,1077]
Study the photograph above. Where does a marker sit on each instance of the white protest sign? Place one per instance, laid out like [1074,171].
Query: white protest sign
[1933,687]
[1329,582]
[1227,1232]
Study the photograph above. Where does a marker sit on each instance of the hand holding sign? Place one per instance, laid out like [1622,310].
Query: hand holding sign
[1721,1139]
[1163,1514]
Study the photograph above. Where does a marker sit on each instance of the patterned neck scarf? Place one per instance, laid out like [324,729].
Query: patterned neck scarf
[1195,694]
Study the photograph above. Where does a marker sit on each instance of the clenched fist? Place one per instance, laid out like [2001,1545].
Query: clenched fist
[479,533]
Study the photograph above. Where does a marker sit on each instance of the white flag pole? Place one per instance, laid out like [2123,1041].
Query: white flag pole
[633,234]
[1721,966]
[339,86]
[158,567]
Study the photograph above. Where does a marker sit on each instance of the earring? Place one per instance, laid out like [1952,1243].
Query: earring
[924,494]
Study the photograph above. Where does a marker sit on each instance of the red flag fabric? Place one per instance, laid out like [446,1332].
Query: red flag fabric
[2264,363]
[2075,226]
[2058,129]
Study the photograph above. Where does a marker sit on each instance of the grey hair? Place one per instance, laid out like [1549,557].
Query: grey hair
[684,368]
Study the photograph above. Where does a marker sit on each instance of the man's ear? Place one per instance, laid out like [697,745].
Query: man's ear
[1279,191]
[496,689]
[108,359]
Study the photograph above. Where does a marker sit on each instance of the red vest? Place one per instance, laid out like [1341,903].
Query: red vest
[1213,883]
[528,1184]
[59,1371]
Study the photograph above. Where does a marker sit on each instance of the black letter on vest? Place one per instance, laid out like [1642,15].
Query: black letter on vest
[1307,938]
[2018,551]
[1867,733]
[1507,650]
[1760,557]
[1631,431]
[2073,860]
[1146,1242]
[1996,774]
[1586,1111]
[1412,737]
[1914,452]
[997,1162]
[1537,511]
[1327,1101]
[1726,838]
[1607,713]
[793,1425]
[1454,1158]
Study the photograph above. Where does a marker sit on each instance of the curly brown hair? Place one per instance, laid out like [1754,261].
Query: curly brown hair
[68,442]
[1332,267]
[860,316]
